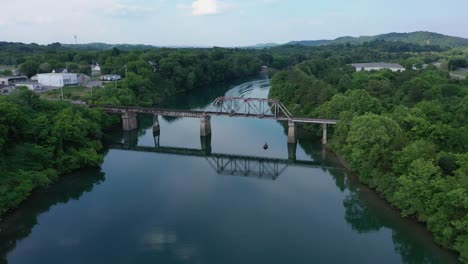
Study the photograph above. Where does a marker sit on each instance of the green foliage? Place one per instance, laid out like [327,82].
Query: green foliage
[405,134]
[357,102]
[41,140]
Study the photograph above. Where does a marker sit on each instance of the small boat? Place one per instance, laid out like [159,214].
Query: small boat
[265,147]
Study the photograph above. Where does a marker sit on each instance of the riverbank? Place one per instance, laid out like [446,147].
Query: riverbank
[390,142]
[43,140]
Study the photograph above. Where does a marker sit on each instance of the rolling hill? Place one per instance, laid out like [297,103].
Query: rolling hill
[419,37]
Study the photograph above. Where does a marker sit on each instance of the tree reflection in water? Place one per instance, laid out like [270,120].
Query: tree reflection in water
[18,224]
[366,212]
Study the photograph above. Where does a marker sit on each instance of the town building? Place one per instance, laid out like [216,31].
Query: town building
[33,86]
[11,80]
[110,78]
[57,79]
[395,67]
[96,69]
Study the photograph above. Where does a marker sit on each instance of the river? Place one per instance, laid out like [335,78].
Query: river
[230,202]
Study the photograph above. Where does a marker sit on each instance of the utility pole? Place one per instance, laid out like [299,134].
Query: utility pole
[91,83]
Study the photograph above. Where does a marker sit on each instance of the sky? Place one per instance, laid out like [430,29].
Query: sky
[224,23]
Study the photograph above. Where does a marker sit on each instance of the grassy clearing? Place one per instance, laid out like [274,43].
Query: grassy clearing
[71,92]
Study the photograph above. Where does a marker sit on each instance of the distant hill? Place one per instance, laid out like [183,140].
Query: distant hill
[262,46]
[104,46]
[419,37]
[310,43]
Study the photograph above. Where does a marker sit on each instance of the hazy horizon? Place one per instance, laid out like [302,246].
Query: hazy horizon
[227,23]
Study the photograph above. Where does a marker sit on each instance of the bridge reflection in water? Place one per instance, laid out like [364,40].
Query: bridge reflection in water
[224,164]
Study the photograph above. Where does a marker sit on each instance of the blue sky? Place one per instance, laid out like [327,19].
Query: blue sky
[223,22]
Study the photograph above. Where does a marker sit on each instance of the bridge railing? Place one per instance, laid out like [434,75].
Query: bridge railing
[259,107]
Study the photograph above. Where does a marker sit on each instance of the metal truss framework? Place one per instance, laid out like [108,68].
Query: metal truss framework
[259,107]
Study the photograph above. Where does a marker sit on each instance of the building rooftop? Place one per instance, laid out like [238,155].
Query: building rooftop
[56,73]
[13,77]
[19,83]
[378,65]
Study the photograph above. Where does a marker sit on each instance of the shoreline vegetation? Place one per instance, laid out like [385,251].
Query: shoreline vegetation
[404,135]
[41,140]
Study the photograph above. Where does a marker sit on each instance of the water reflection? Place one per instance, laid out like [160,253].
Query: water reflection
[222,163]
[19,224]
[368,213]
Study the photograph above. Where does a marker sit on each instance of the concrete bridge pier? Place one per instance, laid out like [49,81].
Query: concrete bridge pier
[292,132]
[129,121]
[324,136]
[156,126]
[205,126]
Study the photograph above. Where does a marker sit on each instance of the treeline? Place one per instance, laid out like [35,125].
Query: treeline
[40,140]
[405,134]
[154,75]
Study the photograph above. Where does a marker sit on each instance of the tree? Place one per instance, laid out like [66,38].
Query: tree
[29,68]
[371,141]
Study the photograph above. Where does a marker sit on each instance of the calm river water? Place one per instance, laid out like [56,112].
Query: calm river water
[230,201]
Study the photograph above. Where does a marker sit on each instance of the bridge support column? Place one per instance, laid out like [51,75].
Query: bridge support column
[129,121]
[324,136]
[156,126]
[205,126]
[292,133]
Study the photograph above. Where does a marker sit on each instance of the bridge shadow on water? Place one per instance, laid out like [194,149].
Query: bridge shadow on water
[222,163]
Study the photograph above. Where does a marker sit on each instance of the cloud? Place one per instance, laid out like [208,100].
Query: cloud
[208,7]
[134,11]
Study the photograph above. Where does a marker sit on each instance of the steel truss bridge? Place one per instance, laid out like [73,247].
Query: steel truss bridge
[223,106]
[226,106]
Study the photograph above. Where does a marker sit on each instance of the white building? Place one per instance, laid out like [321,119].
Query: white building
[57,79]
[31,86]
[96,68]
[109,78]
[395,67]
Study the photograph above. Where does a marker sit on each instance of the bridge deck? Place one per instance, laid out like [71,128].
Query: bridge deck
[200,114]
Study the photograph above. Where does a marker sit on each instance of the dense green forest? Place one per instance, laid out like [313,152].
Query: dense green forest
[41,140]
[152,74]
[404,133]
